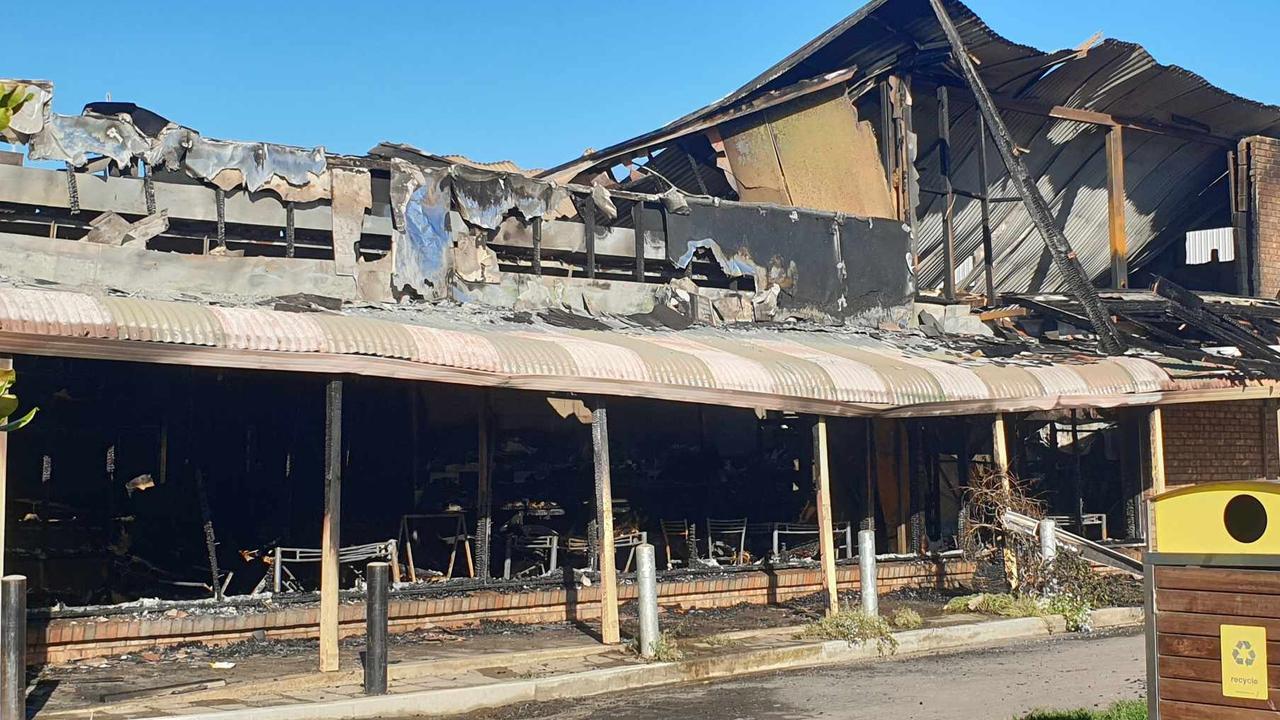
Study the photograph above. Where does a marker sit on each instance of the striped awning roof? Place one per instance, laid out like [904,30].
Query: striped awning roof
[806,371]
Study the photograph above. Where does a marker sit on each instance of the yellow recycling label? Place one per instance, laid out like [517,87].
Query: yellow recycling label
[1244,661]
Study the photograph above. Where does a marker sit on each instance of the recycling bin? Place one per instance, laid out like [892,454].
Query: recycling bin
[1212,580]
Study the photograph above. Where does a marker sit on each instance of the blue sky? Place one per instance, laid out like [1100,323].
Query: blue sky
[533,82]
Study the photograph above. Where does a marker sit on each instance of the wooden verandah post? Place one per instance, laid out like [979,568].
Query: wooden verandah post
[1155,465]
[330,535]
[609,633]
[826,528]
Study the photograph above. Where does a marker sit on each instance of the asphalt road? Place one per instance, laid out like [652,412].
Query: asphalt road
[1003,683]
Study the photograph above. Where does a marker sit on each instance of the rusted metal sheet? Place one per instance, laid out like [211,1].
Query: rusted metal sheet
[812,152]
[766,367]
[748,144]
[352,195]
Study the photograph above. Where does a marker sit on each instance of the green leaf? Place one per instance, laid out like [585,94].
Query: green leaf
[20,422]
[6,115]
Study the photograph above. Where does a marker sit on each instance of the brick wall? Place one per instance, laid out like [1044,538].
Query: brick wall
[1208,442]
[1264,207]
[64,640]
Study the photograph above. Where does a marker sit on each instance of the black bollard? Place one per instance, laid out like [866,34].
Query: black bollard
[375,651]
[13,647]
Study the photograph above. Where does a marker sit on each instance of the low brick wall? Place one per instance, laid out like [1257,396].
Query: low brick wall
[63,640]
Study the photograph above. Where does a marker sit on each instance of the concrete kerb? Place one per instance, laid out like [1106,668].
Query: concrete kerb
[455,701]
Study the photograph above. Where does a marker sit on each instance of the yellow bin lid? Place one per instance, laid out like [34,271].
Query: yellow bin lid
[1237,518]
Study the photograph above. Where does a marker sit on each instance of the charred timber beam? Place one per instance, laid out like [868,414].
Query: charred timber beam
[1191,308]
[970,194]
[948,198]
[1092,117]
[888,141]
[537,245]
[210,540]
[988,252]
[587,209]
[637,224]
[1064,257]
[910,187]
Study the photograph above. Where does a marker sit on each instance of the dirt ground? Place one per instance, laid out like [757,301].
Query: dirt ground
[701,623]
[998,683]
[85,683]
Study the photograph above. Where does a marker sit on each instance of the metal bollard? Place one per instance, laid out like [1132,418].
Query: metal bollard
[867,572]
[647,579]
[1048,543]
[375,651]
[13,647]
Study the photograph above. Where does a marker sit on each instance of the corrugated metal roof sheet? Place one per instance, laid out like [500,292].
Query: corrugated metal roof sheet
[1201,244]
[846,367]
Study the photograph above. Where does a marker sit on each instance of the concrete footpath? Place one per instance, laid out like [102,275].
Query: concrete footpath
[447,687]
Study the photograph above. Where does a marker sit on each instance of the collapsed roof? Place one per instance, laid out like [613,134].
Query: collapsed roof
[1057,106]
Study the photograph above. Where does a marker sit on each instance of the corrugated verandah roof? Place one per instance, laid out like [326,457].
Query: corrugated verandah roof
[835,372]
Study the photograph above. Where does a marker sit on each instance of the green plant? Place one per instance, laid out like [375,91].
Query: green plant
[1123,710]
[1074,609]
[11,101]
[906,619]
[854,627]
[9,402]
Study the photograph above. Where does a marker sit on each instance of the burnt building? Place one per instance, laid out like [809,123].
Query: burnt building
[910,254]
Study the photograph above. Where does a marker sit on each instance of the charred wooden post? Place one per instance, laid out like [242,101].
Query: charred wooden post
[588,212]
[330,532]
[1115,208]
[948,197]
[13,647]
[988,251]
[1000,458]
[210,540]
[537,246]
[484,492]
[888,145]
[1064,257]
[826,528]
[609,633]
[637,222]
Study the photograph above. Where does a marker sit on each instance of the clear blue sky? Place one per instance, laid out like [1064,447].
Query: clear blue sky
[533,82]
